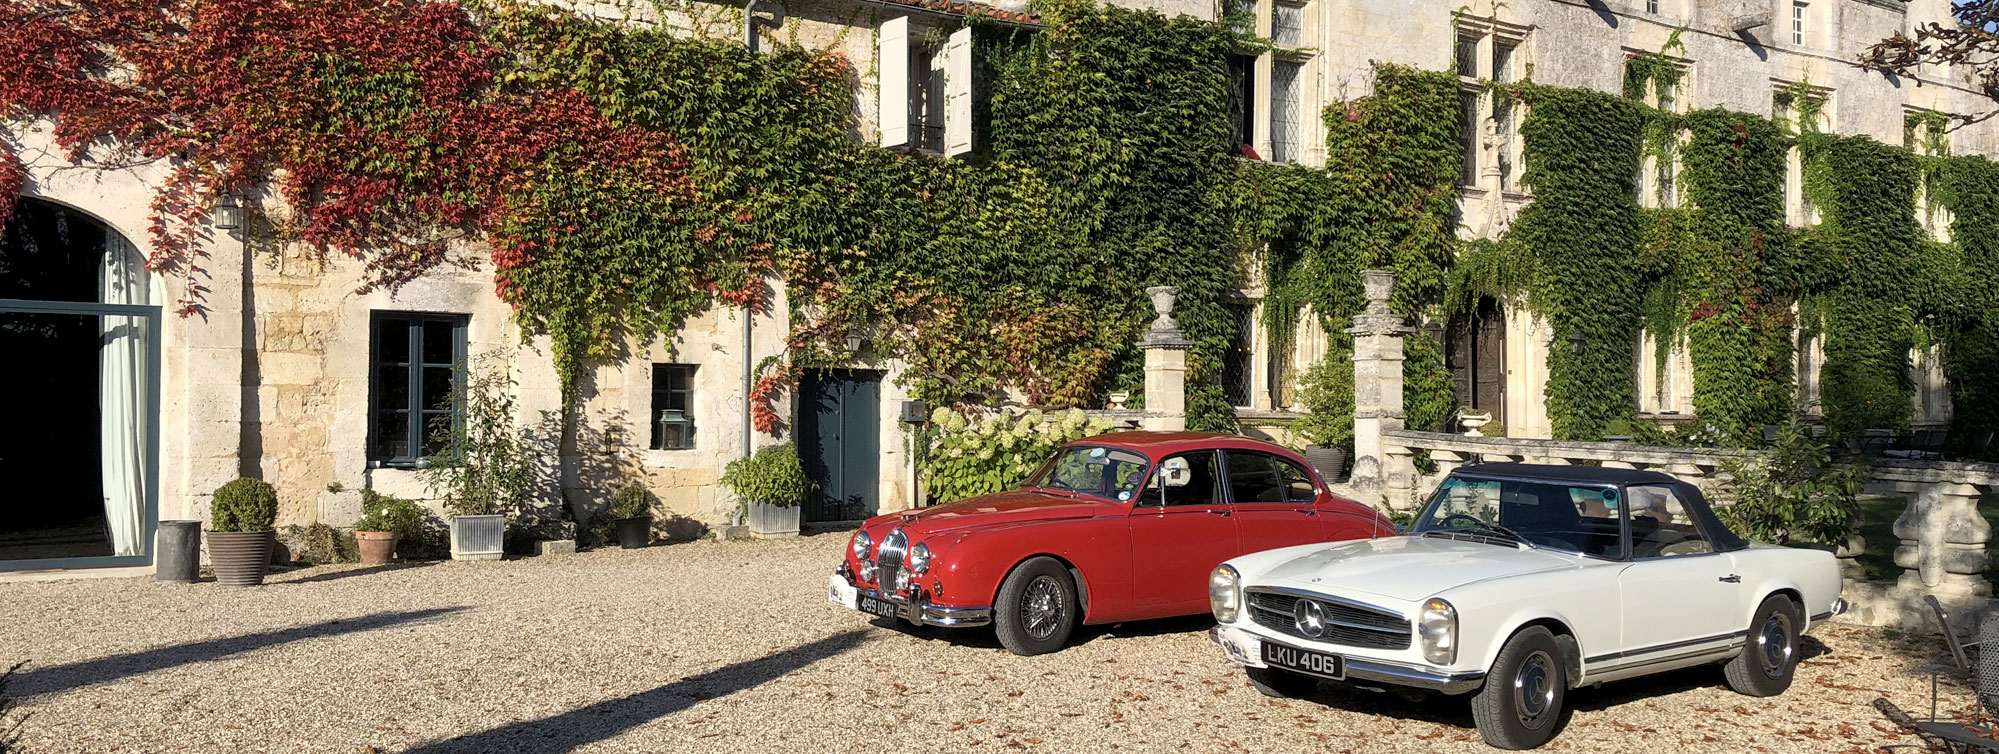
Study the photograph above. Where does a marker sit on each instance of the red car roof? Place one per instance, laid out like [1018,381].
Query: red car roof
[1150,442]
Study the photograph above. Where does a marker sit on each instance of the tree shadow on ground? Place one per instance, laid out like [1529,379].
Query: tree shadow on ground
[349,573]
[612,717]
[37,681]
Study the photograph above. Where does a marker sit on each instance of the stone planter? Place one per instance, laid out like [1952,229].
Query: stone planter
[1330,460]
[377,547]
[241,558]
[478,537]
[767,520]
[634,533]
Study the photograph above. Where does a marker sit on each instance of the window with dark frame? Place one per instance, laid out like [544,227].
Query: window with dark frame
[1242,102]
[417,362]
[672,406]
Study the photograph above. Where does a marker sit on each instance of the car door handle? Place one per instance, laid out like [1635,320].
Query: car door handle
[1732,579]
[1307,511]
[1222,512]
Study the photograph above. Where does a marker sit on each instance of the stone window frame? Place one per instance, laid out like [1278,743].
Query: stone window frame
[1651,195]
[460,334]
[1935,220]
[1479,42]
[1259,90]
[1798,209]
[685,392]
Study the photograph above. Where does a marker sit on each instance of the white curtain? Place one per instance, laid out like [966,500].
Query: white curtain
[123,370]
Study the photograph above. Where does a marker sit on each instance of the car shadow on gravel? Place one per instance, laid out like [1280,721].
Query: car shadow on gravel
[983,638]
[612,717]
[36,681]
[320,578]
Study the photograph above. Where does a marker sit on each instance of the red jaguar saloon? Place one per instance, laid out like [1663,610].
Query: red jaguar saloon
[1112,528]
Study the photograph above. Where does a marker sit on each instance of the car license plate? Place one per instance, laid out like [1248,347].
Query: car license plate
[1305,661]
[879,606]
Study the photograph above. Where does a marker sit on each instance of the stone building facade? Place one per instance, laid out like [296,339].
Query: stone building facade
[280,377]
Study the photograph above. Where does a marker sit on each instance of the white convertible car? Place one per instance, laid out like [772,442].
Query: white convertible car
[1518,583]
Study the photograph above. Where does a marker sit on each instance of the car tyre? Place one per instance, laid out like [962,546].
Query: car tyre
[1282,684]
[1037,608]
[1770,658]
[1520,705]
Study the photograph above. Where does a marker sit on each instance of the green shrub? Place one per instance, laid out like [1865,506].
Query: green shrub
[1326,392]
[970,458]
[1791,495]
[634,501]
[320,544]
[244,505]
[399,516]
[771,476]
[488,464]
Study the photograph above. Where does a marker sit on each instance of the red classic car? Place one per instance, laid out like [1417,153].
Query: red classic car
[1113,528]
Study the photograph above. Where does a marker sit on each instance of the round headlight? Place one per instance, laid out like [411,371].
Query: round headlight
[861,544]
[1225,593]
[1438,628]
[919,558]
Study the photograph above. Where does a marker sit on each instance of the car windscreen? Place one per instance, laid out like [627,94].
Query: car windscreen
[1582,518]
[1112,473]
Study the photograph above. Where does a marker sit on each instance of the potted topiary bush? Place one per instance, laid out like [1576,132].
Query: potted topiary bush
[769,484]
[631,508]
[386,520]
[242,531]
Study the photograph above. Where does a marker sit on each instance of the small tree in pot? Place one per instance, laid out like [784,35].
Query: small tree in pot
[242,531]
[631,507]
[485,466]
[769,484]
[386,520]
[1327,394]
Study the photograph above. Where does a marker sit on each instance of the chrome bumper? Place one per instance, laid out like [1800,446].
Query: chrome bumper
[918,611]
[1396,674]
[1838,608]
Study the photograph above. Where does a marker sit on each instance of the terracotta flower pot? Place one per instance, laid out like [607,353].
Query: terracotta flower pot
[377,547]
[241,558]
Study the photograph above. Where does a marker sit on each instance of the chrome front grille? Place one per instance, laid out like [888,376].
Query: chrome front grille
[1347,625]
[889,576]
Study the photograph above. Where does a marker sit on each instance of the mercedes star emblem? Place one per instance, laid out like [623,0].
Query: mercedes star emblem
[1311,618]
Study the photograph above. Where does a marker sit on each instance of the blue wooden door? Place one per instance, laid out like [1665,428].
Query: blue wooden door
[839,442]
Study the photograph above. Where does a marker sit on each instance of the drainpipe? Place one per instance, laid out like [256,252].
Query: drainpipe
[749,377]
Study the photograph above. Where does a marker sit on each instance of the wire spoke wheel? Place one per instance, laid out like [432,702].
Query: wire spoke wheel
[1041,608]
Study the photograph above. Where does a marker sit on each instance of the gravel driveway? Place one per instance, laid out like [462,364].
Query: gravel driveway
[717,647]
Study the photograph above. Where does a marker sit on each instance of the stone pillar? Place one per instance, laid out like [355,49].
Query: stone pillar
[1943,542]
[1165,349]
[1377,386]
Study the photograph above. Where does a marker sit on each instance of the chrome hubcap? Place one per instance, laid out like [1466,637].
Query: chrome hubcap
[1534,690]
[1773,643]
[1041,609]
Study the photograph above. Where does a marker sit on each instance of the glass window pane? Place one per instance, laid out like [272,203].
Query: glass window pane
[1242,16]
[392,435]
[1284,108]
[1287,24]
[1253,478]
[1197,485]
[1502,62]
[437,384]
[440,342]
[436,432]
[1468,57]
[392,341]
[1468,131]
[1660,526]
[1297,484]
[392,388]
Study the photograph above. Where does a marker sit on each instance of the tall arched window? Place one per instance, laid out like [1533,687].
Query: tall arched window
[79,325]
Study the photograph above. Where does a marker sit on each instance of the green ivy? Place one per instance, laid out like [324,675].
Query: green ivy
[1582,152]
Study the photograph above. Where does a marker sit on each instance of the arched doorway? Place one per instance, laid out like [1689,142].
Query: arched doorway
[79,327]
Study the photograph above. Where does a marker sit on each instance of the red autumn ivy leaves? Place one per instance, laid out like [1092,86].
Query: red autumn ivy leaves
[385,127]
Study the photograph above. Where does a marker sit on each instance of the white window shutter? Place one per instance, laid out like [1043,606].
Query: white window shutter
[892,79]
[958,93]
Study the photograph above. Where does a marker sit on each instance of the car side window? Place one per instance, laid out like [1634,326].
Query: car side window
[1660,526]
[1253,478]
[1185,479]
[1298,486]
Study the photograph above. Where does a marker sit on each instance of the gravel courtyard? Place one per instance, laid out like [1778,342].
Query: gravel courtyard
[717,647]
